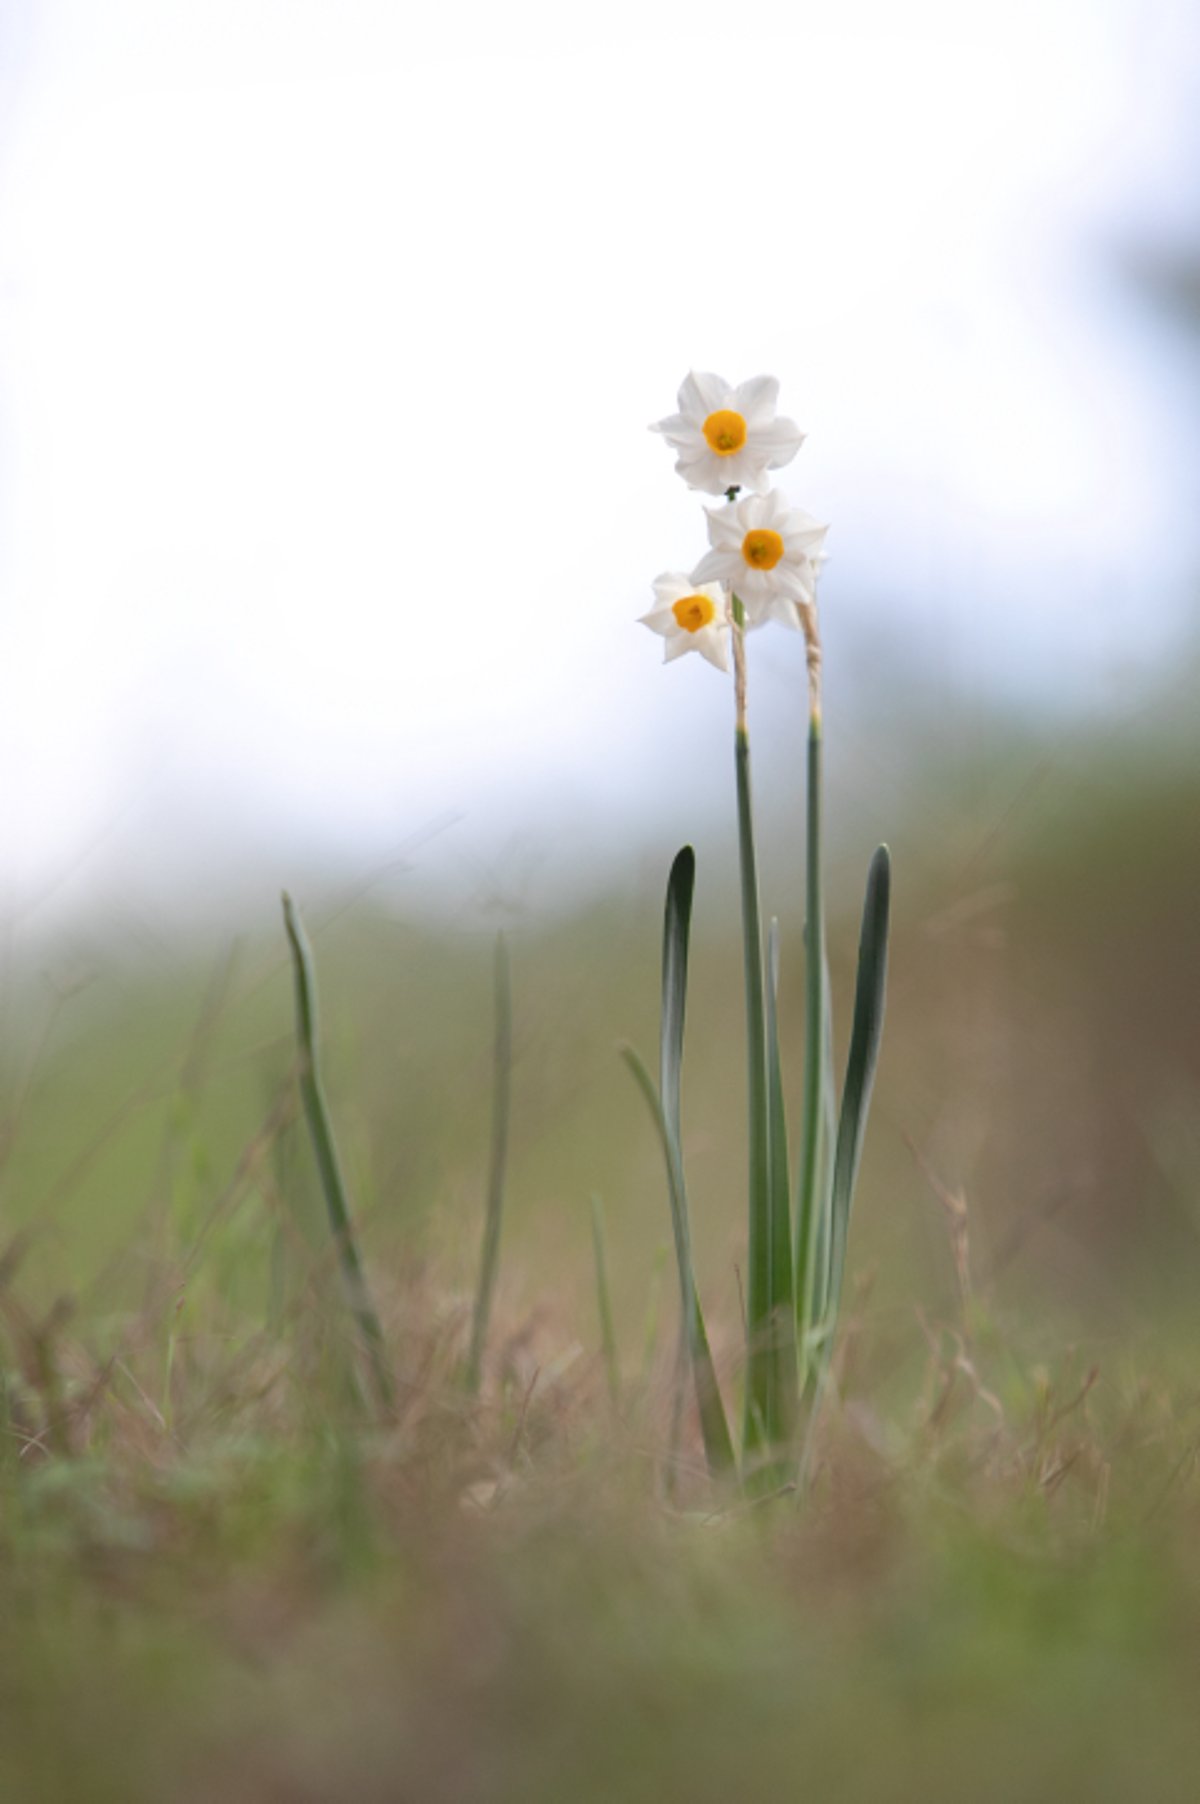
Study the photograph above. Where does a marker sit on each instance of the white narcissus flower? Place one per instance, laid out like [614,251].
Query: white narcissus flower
[729,437]
[690,617]
[767,552]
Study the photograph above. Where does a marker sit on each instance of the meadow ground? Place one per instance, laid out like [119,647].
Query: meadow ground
[221,1575]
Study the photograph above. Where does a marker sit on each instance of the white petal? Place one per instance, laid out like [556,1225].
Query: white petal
[659,620]
[786,613]
[714,647]
[716,567]
[782,438]
[671,586]
[748,586]
[797,539]
[700,472]
[790,580]
[703,393]
[725,529]
[743,470]
[755,512]
[756,399]
[688,438]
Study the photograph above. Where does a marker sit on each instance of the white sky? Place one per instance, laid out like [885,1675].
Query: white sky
[329,336]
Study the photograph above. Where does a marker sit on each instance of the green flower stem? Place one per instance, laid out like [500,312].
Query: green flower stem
[761,1424]
[333,1184]
[812,1208]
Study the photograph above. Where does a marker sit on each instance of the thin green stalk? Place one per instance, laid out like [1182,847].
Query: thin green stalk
[762,1424]
[608,1338]
[812,1202]
[328,1165]
[501,1097]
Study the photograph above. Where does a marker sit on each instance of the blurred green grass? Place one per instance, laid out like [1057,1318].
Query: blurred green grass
[211,1585]
[1042,1055]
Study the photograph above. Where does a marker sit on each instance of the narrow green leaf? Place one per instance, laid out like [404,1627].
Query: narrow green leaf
[829,1111]
[812,1200]
[820,1254]
[718,1446]
[677,927]
[329,1169]
[783,1313]
[497,1166]
[608,1338]
[762,1421]
[867,1032]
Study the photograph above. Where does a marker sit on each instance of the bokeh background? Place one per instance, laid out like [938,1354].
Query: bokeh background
[330,336]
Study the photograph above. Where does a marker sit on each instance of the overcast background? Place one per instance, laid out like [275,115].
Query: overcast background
[329,337]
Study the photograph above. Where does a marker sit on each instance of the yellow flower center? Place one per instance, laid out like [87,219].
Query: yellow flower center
[693,611]
[762,548]
[725,432]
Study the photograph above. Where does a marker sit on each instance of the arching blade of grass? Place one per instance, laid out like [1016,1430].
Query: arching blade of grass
[783,1312]
[665,1107]
[762,1420]
[718,1446]
[608,1338]
[677,930]
[501,1100]
[333,1185]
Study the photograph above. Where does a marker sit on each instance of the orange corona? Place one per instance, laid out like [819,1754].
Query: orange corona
[725,432]
[762,548]
[693,611]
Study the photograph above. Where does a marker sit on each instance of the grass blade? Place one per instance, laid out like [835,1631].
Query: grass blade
[608,1338]
[501,1104]
[816,1305]
[329,1169]
[718,1445]
[782,1273]
[677,928]
[867,1032]
[664,1108]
